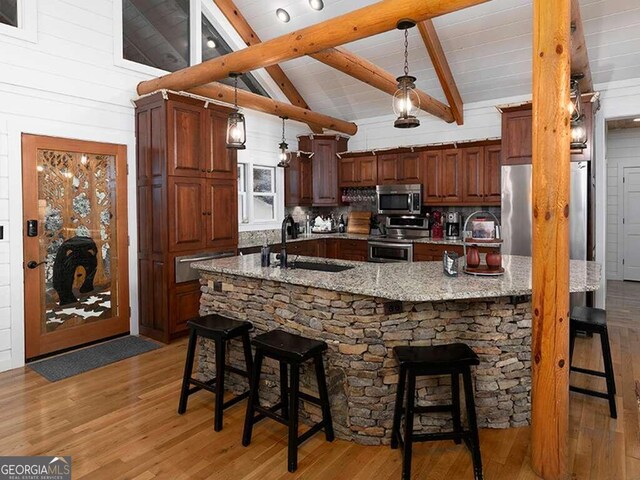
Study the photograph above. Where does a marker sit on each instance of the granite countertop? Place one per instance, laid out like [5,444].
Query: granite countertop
[257,241]
[409,282]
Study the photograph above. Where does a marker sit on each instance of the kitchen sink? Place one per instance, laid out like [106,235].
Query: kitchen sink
[320,267]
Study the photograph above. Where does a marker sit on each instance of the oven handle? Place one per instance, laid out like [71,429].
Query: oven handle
[406,246]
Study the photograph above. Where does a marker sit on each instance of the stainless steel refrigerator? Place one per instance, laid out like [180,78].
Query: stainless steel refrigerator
[517,213]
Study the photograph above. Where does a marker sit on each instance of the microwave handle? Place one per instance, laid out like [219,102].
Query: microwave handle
[410,200]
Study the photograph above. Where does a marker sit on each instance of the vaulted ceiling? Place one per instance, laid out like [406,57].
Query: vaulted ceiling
[488,48]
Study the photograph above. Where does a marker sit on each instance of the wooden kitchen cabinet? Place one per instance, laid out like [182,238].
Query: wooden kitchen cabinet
[517,139]
[317,180]
[473,175]
[492,175]
[357,250]
[187,204]
[358,171]
[451,177]
[388,169]
[400,168]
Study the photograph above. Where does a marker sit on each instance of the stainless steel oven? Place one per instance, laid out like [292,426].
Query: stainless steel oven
[399,199]
[382,251]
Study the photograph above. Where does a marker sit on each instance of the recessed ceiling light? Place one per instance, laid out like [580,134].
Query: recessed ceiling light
[316,4]
[283,15]
[636,119]
[211,43]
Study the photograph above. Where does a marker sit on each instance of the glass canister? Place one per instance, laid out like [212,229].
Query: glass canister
[450,263]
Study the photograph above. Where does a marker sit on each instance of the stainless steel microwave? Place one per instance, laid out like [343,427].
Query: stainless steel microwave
[399,199]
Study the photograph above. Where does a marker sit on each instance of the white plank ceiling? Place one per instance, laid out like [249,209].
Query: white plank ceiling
[488,48]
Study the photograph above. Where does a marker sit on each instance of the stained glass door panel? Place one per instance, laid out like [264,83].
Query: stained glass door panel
[76,284]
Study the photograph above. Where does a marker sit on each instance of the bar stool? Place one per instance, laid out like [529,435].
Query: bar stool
[453,359]
[219,329]
[290,351]
[594,320]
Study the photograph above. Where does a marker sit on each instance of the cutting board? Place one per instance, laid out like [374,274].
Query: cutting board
[359,222]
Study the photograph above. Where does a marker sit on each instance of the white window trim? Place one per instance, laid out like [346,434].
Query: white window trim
[278,197]
[27,28]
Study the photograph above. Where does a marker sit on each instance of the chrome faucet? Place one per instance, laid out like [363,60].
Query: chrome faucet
[283,251]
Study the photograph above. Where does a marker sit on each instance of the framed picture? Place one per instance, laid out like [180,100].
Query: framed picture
[483,229]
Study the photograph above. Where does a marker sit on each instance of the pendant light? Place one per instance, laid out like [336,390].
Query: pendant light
[578,124]
[236,127]
[406,102]
[284,154]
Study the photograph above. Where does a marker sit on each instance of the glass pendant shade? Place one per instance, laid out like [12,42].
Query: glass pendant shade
[236,131]
[406,103]
[578,133]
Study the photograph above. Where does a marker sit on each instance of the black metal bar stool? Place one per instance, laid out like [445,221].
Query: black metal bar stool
[454,359]
[291,351]
[594,320]
[219,329]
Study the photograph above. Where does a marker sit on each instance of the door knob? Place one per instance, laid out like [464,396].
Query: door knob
[33,264]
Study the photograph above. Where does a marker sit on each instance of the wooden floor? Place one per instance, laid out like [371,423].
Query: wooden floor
[120,422]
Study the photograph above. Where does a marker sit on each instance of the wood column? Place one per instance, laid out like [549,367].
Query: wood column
[551,172]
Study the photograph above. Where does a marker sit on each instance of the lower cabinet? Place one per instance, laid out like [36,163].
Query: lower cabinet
[184,305]
[430,252]
[337,248]
[356,250]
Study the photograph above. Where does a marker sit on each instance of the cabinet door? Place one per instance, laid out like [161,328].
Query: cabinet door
[220,161]
[306,181]
[185,140]
[517,140]
[367,171]
[347,175]
[388,169]
[221,210]
[432,164]
[184,305]
[492,175]
[292,183]
[451,177]
[186,215]
[409,165]
[325,178]
[473,175]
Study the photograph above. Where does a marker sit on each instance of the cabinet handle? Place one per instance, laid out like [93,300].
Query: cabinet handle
[204,213]
[203,170]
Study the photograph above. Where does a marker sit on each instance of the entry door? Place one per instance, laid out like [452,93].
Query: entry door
[631,226]
[75,242]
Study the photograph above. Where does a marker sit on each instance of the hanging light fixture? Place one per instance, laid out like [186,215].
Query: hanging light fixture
[578,124]
[284,154]
[236,127]
[406,102]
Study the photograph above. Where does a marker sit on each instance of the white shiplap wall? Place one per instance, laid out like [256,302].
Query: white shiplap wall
[623,150]
[66,84]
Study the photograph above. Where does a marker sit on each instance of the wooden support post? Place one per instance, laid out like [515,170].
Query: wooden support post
[358,24]
[551,180]
[225,93]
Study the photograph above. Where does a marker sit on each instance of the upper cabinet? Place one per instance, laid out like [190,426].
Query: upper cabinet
[358,171]
[517,140]
[316,182]
[462,176]
[185,137]
[399,168]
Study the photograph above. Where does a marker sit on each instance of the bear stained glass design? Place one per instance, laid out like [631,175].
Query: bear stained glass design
[76,203]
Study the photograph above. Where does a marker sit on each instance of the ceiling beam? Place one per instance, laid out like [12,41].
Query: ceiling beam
[224,93]
[362,23]
[367,72]
[579,55]
[250,38]
[441,66]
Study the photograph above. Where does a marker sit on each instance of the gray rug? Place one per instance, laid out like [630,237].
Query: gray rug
[80,361]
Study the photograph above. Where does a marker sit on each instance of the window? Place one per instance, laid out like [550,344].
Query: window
[243,204]
[156,33]
[9,12]
[18,18]
[264,193]
[213,45]
[257,195]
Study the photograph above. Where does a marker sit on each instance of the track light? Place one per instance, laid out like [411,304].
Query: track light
[283,15]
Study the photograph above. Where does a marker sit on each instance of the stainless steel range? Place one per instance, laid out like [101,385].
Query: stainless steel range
[397,244]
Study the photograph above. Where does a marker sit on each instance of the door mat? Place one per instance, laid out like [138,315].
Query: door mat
[80,361]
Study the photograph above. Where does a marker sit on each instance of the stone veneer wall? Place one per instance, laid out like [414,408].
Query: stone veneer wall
[361,371]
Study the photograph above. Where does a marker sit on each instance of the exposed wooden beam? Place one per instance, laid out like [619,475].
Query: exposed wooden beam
[367,72]
[441,66]
[550,277]
[225,93]
[362,23]
[250,38]
[579,54]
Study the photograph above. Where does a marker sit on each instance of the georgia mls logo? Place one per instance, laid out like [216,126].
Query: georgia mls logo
[35,468]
